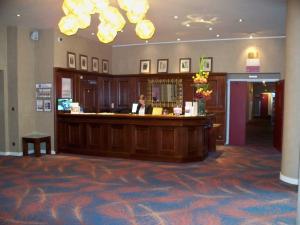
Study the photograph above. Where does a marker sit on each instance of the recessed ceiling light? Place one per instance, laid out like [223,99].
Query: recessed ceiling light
[93,33]
[18,15]
[251,36]
[210,28]
[178,39]
[218,35]
[147,41]
[188,25]
[122,31]
[241,20]
[175,17]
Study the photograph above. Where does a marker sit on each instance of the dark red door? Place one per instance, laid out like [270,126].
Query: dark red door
[264,106]
[238,113]
[278,117]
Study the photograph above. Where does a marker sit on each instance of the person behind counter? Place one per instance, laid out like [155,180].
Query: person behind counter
[142,108]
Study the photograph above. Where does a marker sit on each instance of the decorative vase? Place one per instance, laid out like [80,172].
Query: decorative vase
[201,107]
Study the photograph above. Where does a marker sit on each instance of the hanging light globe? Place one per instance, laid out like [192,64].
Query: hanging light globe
[68,25]
[113,16]
[139,7]
[145,29]
[100,5]
[106,33]
[126,4]
[134,18]
[77,7]
[84,21]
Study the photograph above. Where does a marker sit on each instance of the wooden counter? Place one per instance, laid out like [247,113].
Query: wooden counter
[147,137]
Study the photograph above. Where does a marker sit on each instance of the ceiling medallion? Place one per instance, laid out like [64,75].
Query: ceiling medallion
[200,19]
[111,21]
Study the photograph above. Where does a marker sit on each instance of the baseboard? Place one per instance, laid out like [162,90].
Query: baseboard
[288,180]
[43,151]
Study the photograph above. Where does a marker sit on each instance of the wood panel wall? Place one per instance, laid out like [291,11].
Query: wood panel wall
[105,93]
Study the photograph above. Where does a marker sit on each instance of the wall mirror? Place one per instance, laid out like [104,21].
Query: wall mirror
[164,92]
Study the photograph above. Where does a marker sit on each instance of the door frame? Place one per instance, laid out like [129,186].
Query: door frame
[249,78]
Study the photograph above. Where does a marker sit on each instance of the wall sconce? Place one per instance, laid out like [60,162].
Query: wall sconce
[252,62]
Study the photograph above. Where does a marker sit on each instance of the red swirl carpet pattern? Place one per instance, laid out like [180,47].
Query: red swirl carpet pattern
[236,186]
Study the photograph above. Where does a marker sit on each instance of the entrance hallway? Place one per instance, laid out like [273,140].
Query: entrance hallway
[236,185]
[259,131]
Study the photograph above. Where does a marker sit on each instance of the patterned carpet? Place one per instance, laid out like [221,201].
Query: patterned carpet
[238,186]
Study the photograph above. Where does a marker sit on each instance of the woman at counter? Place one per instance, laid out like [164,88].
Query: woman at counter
[142,108]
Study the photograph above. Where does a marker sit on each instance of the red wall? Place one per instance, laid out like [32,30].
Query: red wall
[238,113]
[264,106]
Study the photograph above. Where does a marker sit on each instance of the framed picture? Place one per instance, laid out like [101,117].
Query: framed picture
[83,62]
[185,65]
[207,64]
[162,65]
[71,60]
[95,64]
[145,66]
[105,66]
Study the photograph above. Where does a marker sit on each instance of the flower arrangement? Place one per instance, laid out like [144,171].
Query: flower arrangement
[200,82]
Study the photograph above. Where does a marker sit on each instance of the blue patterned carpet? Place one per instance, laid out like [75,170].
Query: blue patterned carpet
[241,186]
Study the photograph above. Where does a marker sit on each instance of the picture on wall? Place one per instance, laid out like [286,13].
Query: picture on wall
[162,65]
[83,62]
[185,65]
[207,64]
[95,64]
[145,66]
[105,66]
[71,60]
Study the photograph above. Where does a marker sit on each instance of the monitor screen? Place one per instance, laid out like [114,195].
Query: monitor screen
[64,104]
[134,107]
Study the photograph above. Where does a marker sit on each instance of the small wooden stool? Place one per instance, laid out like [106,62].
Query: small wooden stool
[213,136]
[36,140]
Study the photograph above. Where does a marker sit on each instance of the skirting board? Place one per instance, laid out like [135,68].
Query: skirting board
[43,151]
[288,180]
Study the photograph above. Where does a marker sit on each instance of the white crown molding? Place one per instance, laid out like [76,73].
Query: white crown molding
[43,151]
[288,180]
[200,40]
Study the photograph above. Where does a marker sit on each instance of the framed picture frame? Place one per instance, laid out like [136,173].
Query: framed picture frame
[105,66]
[162,65]
[185,65]
[71,60]
[95,64]
[83,62]
[207,64]
[145,66]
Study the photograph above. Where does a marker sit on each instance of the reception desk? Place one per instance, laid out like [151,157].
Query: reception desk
[146,137]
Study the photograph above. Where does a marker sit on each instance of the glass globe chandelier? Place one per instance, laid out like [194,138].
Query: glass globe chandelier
[111,21]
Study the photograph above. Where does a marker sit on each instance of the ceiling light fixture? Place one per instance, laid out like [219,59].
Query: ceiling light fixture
[251,36]
[18,15]
[175,17]
[210,28]
[218,35]
[178,39]
[187,25]
[240,20]
[78,16]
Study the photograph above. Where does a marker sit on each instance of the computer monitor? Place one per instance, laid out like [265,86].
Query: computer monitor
[64,104]
[134,107]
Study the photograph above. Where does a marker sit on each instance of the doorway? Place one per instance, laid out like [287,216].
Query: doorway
[251,109]
[2,112]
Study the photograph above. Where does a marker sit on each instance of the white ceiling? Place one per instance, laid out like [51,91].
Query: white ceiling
[262,18]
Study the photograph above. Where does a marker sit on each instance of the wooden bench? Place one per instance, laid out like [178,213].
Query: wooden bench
[36,140]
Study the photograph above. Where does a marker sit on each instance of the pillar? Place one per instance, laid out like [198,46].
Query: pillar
[291,126]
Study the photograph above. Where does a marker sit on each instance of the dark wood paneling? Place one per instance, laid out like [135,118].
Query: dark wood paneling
[278,121]
[123,90]
[132,136]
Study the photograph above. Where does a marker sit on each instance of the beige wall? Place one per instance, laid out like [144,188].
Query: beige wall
[79,46]
[228,56]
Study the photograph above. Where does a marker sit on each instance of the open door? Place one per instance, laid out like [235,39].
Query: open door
[238,113]
[278,120]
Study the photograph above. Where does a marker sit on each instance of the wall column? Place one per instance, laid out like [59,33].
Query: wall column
[291,126]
